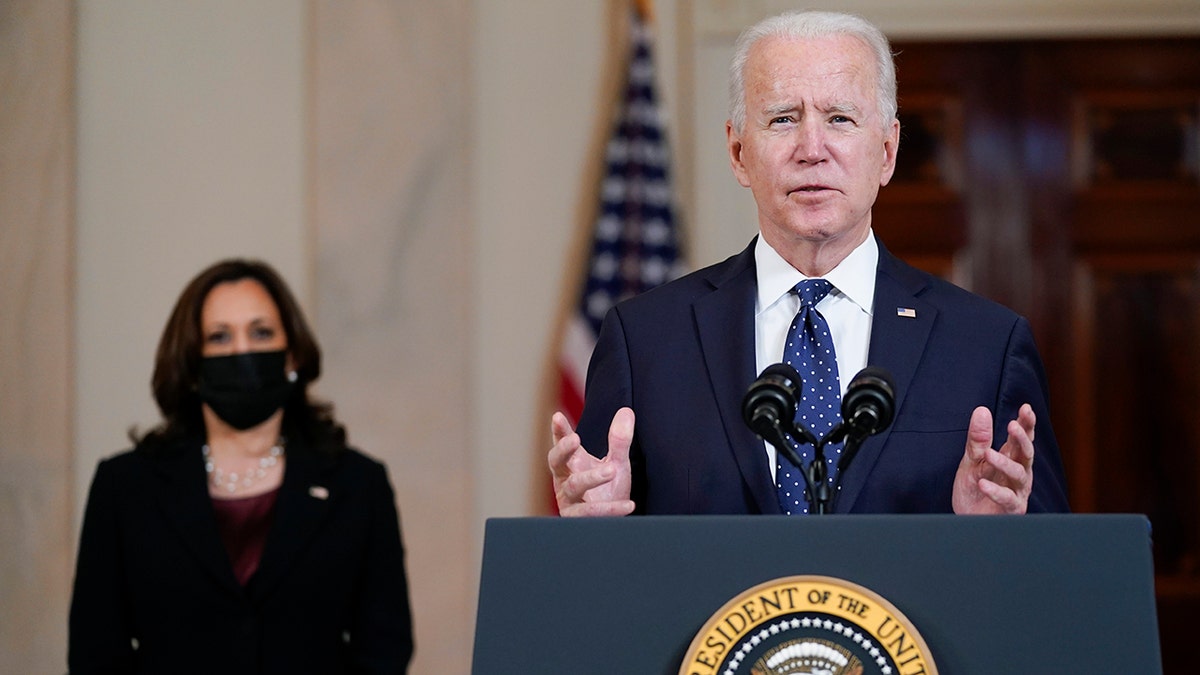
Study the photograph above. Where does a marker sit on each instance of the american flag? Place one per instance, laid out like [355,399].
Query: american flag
[634,245]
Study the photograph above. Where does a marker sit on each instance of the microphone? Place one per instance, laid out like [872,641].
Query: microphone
[771,399]
[769,408]
[869,404]
[867,409]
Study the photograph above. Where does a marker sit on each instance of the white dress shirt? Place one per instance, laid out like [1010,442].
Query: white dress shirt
[847,309]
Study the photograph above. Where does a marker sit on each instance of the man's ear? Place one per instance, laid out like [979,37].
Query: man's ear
[733,141]
[891,146]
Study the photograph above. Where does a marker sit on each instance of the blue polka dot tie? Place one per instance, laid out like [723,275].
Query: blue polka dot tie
[809,350]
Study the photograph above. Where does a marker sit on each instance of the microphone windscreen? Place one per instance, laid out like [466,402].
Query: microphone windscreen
[773,395]
[871,390]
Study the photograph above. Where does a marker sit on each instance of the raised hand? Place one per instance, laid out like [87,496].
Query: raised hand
[585,485]
[996,481]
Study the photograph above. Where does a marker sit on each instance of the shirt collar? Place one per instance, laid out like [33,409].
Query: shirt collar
[854,276]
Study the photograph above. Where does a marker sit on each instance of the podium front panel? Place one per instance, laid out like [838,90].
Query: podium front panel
[997,594]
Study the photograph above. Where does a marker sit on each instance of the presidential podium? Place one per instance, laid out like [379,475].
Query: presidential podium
[988,595]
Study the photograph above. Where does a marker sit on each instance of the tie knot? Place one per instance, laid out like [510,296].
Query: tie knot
[811,291]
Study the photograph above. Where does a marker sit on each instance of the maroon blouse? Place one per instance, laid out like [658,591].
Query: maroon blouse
[243,524]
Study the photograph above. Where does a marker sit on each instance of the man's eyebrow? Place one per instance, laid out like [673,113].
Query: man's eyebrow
[781,109]
[840,108]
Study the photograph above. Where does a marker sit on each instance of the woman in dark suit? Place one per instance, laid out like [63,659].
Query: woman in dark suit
[241,535]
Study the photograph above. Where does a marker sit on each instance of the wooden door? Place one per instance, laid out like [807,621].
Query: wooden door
[1062,178]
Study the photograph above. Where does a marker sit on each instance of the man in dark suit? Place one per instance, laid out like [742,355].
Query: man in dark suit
[813,134]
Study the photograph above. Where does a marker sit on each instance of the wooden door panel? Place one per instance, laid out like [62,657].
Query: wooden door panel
[1062,178]
[1137,338]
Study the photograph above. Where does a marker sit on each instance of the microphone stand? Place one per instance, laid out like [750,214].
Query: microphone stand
[853,433]
[787,434]
[816,474]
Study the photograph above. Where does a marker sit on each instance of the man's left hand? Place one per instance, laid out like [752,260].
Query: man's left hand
[996,481]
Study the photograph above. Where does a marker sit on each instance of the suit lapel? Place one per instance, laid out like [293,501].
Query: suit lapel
[725,324]
[900,330]
[304,501]
[182,491]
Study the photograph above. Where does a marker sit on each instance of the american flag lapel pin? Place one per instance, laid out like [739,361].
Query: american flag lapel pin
[318,492]
[906,312]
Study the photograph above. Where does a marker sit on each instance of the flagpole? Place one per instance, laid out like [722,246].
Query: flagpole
[632,240]
[612,80]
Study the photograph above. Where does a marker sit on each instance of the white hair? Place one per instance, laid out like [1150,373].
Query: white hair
[808,25]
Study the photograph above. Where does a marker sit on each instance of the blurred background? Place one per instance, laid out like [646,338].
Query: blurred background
[425,176]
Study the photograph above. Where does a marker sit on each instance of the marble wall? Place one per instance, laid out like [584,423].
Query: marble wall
[36,329]
[390,119]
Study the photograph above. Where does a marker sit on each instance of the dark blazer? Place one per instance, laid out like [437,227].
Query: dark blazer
[330,594]
[682,357]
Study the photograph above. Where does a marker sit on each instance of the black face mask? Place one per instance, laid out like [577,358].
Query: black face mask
[244,389]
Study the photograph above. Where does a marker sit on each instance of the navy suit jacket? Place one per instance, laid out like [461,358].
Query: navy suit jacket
[330,594]
[682,357]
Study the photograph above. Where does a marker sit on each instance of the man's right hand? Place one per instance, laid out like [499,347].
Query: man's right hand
[584,485]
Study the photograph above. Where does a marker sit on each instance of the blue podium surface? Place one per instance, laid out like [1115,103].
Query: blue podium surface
[996,594]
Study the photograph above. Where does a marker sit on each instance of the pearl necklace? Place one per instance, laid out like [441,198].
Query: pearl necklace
[233,480]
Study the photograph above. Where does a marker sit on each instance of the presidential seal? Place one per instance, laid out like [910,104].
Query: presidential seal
[808,625]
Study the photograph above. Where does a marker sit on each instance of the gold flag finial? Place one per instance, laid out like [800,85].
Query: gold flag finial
[645,9]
